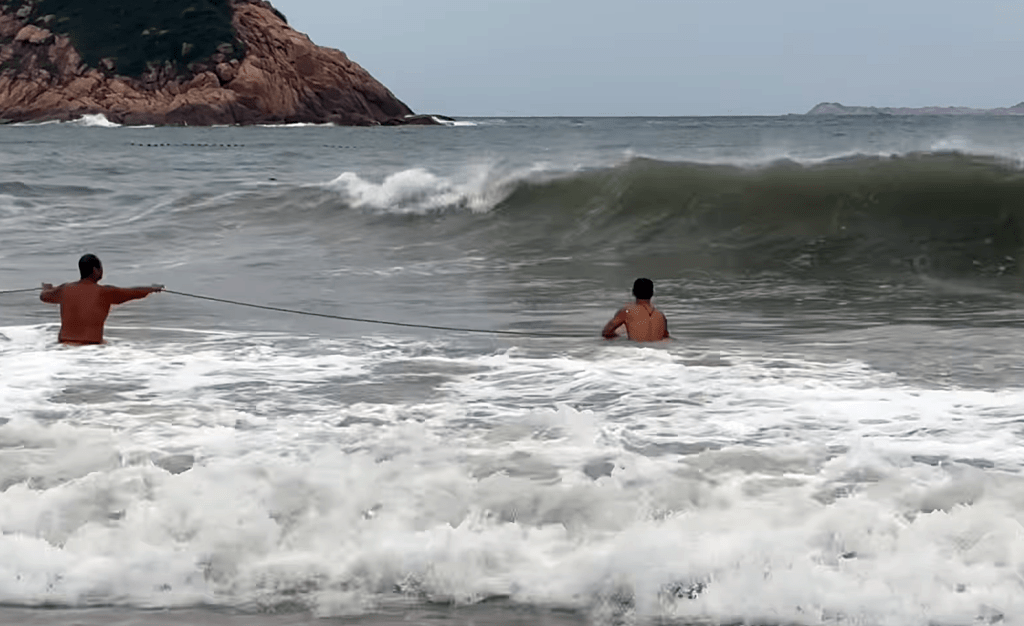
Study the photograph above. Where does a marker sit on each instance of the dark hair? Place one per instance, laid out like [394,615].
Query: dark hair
[643,288]
[87,264]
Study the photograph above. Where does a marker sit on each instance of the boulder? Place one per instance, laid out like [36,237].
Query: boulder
[34,35]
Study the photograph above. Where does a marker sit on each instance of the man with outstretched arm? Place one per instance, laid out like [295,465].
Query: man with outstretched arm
[643,321]
[85,304]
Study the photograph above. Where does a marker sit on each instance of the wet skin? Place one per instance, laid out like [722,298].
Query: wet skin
[85,304]
[643,322]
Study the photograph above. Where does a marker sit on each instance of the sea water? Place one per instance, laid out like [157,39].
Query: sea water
[833,435]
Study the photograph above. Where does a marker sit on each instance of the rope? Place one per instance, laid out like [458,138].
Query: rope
[381,322]
[2,293]
[516,333]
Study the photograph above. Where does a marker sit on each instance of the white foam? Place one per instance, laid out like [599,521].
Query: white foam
[619,480]
[1011,155]
[454,123]
[97,120]
[35,123]
[298,125]
[418,190]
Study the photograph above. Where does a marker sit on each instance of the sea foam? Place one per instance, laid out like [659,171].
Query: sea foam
[96,120]
[627,482]
[418,190]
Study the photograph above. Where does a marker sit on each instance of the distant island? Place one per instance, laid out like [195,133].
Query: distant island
[179,62]
[834,108]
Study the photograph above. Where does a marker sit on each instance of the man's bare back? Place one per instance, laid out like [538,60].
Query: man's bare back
[643,322]
[85,304]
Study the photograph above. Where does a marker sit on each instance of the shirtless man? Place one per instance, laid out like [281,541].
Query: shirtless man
[643,321]
[84,304]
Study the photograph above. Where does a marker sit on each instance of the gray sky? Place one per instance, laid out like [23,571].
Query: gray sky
[676,57]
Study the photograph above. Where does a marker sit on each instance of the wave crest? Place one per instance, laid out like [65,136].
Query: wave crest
[948,212]
[418,190]
[937,213]
[97,120]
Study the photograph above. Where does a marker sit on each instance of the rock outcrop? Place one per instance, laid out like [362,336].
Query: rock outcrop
[260,71]
[834,108]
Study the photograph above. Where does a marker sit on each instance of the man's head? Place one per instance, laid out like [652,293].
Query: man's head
[89,266]
[643,289]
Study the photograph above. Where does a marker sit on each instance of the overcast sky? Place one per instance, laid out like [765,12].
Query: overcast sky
[676,57]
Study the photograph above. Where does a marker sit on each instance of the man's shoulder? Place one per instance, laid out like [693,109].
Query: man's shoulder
[72,286]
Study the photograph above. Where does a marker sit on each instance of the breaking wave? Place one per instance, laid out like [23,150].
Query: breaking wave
[934,212]
[97,121]
[420,191]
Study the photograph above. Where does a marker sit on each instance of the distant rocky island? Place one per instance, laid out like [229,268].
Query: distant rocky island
[179,62]
[834,108]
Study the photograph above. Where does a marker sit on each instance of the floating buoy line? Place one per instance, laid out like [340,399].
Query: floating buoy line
[136,144]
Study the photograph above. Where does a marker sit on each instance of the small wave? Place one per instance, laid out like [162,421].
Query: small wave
[490,121]
[298,125]
[97,120]
[37,123]
[19,189]
[450,122]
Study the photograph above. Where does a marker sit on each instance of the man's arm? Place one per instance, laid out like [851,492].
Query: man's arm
[665,321]
[120,295]
[50,294]
[613,325]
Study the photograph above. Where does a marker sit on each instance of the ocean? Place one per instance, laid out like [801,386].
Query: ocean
[833,435]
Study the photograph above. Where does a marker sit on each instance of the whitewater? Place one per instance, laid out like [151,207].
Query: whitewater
[833,435]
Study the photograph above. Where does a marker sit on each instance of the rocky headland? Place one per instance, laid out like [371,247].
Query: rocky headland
[834,108]
[179,62]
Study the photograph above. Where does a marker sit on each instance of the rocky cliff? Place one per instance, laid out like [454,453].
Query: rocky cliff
[194,62]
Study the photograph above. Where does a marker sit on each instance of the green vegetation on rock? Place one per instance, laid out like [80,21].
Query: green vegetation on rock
[130,37]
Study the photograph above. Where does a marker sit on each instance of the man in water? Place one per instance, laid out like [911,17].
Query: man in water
[84,304]
[643,321]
